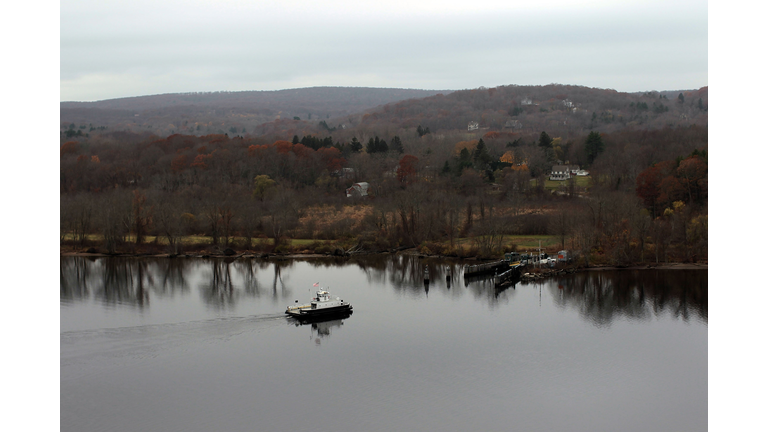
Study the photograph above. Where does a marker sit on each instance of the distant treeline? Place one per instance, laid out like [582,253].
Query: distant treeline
[647,200]
[562,110]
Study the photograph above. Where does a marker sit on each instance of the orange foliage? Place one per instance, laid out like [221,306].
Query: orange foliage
[179,163]
[469,145]
[406,170]
[201,161]
[491,135]
[255,149]
[95,159]
[301,151]
[331,156]
[69,147]
[283,146]
[508,157]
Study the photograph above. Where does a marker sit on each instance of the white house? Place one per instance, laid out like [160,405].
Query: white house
[473,125]
[358,190]
[565,172]
[560,172]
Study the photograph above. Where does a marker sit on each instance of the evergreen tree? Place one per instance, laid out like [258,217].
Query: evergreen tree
[446,169]
[295,139]
[382,147]
[545,141]
[464,156]
[355,145]
[397,145]
[481,156]
[594,146]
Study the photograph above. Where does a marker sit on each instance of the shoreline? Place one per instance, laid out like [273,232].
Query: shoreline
[259,255]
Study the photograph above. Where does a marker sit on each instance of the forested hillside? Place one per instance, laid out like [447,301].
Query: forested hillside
[235,113]
[432,181]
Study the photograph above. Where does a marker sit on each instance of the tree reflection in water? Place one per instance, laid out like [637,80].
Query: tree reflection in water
[217,287]
[74,276]
[602,296]
[599,296]
[110,280]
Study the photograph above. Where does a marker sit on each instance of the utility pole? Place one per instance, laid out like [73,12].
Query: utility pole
[539,253]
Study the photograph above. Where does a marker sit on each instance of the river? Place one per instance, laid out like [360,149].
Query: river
[203,344]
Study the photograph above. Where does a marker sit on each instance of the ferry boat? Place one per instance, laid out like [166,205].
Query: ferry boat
[322,306]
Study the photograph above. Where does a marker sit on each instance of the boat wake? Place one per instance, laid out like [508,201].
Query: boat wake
[87,351]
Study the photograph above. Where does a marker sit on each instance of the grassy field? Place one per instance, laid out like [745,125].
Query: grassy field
[522,242]
[581,181]
[199,240]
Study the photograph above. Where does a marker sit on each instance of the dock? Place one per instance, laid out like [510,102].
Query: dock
[512,272]
[491,267]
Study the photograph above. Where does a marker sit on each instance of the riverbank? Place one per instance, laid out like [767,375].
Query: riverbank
[532,272]
[535,274]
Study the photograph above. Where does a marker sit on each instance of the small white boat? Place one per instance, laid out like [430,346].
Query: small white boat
[322,306]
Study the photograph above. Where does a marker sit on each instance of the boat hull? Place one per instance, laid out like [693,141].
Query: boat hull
[307,315]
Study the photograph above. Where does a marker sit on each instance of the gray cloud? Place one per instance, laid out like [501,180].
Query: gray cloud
[107,53]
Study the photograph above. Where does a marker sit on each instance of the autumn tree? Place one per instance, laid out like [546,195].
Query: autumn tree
[69,148]
[649,187]
[261,184]
[692,172]
[406,169]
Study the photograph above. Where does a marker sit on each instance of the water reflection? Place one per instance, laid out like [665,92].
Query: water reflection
[603,296]
[598,296]
[321,329]
[218,289]
[112,281]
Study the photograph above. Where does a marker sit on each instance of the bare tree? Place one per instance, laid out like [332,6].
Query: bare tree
[561,223]
[77,216]
[488,235]
[168,219]
[282,210]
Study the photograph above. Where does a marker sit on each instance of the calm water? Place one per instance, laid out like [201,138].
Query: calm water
[199,345]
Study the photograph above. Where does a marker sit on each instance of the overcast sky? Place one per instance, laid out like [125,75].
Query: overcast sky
[139,47]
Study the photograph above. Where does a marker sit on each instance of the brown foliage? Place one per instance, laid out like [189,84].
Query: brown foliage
[69,147]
